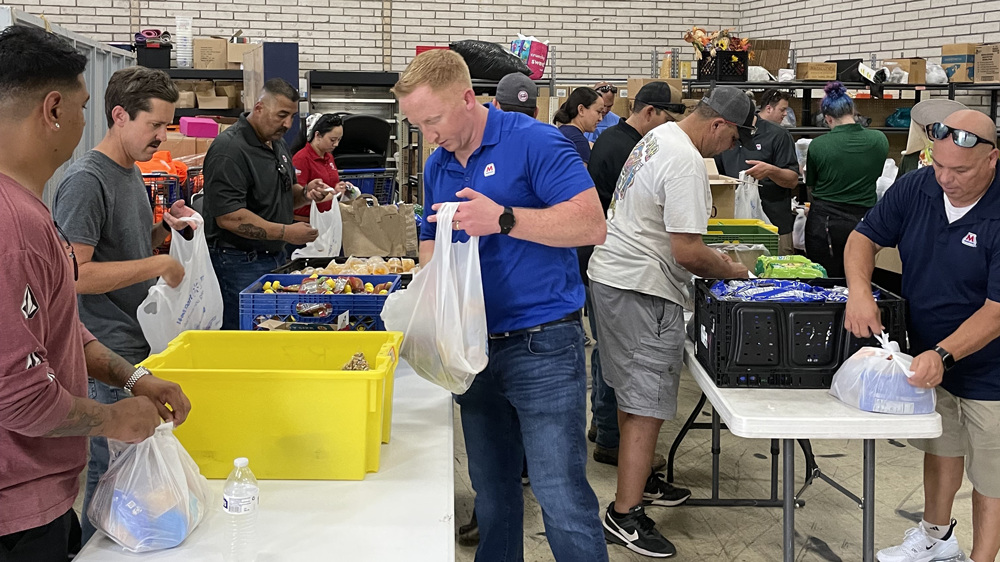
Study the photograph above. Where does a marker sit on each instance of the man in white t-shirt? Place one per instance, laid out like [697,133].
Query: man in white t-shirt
[640,279]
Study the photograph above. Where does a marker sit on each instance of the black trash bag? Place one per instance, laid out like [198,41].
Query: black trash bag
[489,61]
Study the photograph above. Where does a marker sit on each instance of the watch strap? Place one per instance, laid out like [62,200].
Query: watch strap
[138,374]
[946,357]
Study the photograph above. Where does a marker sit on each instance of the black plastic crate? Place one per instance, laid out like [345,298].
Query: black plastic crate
[302,263]
[725,66]
[785,345]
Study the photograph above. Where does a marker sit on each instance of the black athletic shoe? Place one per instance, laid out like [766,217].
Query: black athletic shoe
[659,492]
[636,532]
[592,433]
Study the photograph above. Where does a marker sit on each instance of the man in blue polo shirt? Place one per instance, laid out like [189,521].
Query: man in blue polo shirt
[945,220]
[525,192]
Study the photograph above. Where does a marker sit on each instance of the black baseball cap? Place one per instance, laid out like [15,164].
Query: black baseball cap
[517,90]
[735,107]
[662,96]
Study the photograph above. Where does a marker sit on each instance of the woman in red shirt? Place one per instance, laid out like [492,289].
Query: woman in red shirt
[315,159]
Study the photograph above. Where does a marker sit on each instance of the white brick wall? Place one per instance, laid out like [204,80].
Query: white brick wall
[592,37]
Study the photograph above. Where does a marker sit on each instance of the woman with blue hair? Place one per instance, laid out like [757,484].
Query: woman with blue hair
[841,168]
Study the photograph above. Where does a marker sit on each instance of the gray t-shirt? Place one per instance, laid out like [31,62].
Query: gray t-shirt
[103,205]
[663,189]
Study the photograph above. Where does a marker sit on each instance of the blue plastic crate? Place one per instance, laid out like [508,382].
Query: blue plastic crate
[365,310]
[374,181]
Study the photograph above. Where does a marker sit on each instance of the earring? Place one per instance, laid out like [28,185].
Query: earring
[57,126]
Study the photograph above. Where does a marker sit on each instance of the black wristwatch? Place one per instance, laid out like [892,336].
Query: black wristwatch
[166,226]
[947,358]
[507,221]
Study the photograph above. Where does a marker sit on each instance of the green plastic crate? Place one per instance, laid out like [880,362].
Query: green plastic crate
[742,231]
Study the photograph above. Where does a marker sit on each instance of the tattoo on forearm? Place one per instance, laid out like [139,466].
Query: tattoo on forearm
[85,418]
[106,365]
[252,232]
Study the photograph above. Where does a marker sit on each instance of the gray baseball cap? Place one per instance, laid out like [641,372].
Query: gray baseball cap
[734,106]
[517,90]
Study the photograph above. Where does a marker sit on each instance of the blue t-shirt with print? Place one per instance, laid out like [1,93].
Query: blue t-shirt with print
[520,163]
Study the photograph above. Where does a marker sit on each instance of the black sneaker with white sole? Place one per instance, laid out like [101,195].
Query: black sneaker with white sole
[636,532]
[659,492]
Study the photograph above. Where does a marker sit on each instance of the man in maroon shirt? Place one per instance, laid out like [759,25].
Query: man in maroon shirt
[47,354]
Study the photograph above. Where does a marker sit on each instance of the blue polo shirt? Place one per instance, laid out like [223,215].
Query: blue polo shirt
[610,120]
[521,163]
[949,270]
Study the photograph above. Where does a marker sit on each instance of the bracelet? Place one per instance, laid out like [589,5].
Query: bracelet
[138,374]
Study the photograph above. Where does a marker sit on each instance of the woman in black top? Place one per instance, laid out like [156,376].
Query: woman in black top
[580,114]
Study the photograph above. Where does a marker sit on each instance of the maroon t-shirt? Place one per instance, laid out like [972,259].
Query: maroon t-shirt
[42,365]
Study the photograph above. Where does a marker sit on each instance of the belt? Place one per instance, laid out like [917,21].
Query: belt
[574,317]
[251,254]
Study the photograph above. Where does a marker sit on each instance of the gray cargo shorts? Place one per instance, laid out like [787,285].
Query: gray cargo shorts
[642,349]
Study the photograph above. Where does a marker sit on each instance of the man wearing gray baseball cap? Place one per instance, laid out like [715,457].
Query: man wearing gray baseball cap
[639,284]
[517,93]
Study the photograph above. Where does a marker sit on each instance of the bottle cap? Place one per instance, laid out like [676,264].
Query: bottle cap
[241,462]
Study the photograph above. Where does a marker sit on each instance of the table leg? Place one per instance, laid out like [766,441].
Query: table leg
[788,496]
[716,450]
[868,513]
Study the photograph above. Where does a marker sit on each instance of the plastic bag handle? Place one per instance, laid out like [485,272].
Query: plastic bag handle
[893,348]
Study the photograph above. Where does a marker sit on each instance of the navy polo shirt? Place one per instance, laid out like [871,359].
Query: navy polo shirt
[949,270]
[520,163]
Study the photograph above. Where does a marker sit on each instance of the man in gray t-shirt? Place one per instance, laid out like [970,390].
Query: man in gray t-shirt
[102,208]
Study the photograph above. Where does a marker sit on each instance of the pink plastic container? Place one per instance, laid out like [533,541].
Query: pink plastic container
[199,127]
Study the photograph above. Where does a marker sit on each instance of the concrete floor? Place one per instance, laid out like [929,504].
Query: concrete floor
[828,527]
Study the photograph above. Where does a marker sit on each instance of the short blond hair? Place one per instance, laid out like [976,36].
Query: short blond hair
[438,68]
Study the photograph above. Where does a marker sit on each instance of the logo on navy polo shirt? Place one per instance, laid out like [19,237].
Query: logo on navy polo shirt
[969,240]
[490,170]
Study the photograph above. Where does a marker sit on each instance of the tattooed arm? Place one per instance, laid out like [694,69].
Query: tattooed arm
[130,420]
[249,225]
[110,368]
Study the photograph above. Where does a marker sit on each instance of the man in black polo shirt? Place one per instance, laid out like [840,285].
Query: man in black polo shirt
[251,195]
[944,220]
[655,104]
[771,159]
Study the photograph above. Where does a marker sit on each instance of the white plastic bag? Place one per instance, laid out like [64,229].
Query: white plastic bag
[443,313]
[195,304]
[883,183]
[799,229]
[875,380]
[936,74]
[747,200]
[152,496]
[331,233]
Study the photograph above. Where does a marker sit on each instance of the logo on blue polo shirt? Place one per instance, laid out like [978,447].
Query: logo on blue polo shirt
[969,240]
[490,170]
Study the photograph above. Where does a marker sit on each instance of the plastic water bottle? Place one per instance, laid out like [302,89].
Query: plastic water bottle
[240,500]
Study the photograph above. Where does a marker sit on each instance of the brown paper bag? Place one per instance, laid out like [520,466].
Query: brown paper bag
[374,230]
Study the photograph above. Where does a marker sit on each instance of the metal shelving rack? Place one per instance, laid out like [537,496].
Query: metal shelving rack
[199,74]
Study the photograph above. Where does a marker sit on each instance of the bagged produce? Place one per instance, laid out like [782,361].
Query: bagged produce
[489,61]
[331,233]
[443,312]
[875,380]
[152,496]
[195,304]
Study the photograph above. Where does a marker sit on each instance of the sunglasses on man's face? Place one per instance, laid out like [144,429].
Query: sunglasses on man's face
[964,139]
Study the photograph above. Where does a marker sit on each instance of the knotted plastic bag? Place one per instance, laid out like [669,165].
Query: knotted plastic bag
[875,380]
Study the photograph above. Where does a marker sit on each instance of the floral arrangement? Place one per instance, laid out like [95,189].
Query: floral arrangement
[709,44]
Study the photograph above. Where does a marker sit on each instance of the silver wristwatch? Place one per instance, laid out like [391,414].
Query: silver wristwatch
[138,374]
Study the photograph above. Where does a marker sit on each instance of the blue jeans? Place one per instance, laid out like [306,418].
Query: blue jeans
[236,271]
[531,401]
[603,403]
[98,463]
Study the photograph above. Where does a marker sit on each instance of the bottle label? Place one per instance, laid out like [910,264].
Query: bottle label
[239,505]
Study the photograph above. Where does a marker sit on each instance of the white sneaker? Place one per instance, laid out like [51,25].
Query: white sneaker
[918,546]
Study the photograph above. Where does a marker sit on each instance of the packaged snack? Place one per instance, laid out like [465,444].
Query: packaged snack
[408,265]
[395,266]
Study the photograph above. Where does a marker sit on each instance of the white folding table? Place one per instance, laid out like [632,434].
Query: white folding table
[789,414]
[405,511]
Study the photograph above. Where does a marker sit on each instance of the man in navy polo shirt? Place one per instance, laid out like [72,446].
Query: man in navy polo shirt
[525,192]
[945,220]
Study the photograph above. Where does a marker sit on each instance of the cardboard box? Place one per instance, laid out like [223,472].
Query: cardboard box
[235,51]
[723,191]
[988,64]
[915,66]
[201,145]
[210,54]
[959,62]
[636,84]
[187,100]
[212,101]
[816,71]
[231,90]
[178,145]
[888,259]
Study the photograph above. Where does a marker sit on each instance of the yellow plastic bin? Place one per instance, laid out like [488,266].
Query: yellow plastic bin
[280,399]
